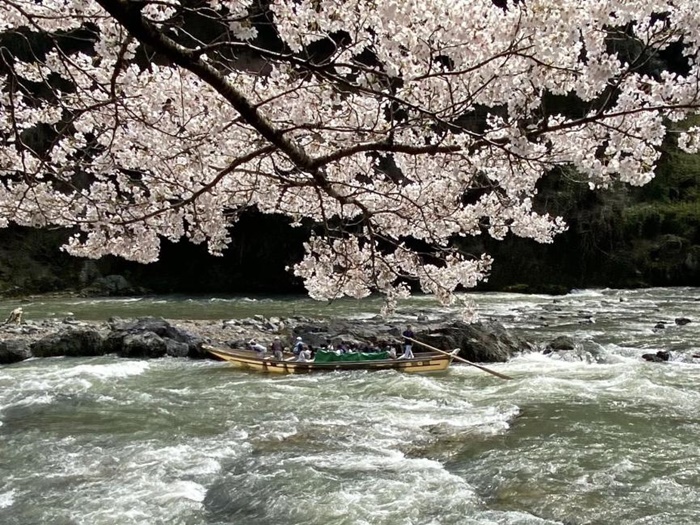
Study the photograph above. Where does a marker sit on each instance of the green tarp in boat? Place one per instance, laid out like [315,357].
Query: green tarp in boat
[323,356]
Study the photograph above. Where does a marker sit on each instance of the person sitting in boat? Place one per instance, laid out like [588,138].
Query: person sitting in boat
[298,346]
[304,355]
[407,343]
[391,351]
[277,349]
[257,348]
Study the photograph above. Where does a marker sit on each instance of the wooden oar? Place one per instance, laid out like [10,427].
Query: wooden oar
[497,374]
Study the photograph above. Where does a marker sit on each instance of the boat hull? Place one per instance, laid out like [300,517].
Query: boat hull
[423,363]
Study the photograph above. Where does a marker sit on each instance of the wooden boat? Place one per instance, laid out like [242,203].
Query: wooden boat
[422,363]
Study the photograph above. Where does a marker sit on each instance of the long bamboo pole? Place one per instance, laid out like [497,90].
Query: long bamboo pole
[493,372]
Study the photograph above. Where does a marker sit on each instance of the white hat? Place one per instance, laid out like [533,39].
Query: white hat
[298,338]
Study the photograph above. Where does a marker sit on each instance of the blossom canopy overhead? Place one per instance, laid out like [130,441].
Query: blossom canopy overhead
[394,126]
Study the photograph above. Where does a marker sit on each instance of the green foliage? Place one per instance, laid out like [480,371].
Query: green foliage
[661,223]
[669,204]
[650,219]
[677,179]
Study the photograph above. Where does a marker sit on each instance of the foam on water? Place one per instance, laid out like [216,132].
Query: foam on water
[137,484]
[106,371]
[183,490]
[25,387]
[350,487]
[591,435]
[7,498]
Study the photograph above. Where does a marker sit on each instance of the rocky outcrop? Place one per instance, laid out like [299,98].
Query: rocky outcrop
[152,337]
[479,342]
[143,338]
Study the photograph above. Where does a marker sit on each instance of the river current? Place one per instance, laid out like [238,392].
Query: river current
[595,435]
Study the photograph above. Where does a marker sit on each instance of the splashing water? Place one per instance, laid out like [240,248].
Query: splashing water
[591,435]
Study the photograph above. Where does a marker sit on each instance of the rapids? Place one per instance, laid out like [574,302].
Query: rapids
[594,435]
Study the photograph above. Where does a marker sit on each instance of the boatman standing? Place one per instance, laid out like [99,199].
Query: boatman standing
[277,349]
[407,343]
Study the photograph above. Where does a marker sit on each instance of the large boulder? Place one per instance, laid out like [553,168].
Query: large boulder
[146,344]
[563,342]
[176,348]
[75,342]
[13,351]
[478,342]
[157,337]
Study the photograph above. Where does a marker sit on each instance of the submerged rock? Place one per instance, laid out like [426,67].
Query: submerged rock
[584,351]
[659,357]
[563,342]
[659,326]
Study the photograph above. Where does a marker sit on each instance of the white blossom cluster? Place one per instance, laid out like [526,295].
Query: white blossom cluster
[362,115]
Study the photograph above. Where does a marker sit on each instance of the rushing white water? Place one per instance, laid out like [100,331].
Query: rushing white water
[595,435]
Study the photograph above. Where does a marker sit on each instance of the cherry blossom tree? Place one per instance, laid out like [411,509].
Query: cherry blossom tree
[395,126]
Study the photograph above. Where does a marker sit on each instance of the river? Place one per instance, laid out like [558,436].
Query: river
[591,436]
